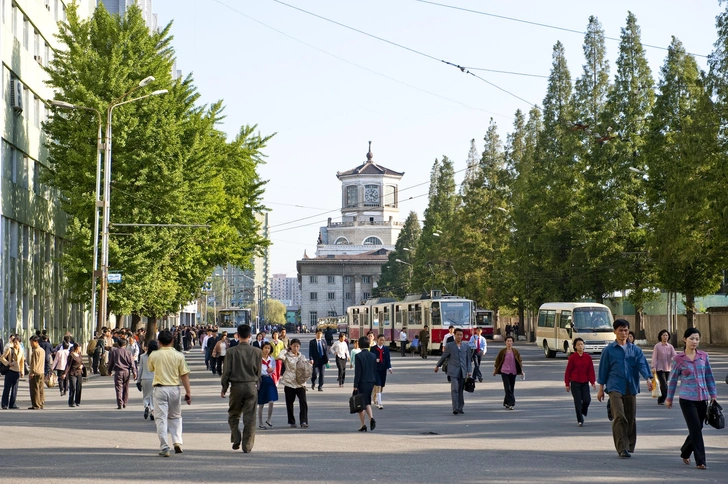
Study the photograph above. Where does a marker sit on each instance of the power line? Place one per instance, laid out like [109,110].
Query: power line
[395,44]
[538,24]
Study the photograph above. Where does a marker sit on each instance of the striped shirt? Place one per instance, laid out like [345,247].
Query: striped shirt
[696,378]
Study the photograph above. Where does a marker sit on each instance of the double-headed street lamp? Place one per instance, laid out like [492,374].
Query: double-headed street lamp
[409,285]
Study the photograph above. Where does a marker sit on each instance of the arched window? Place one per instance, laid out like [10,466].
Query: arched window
[372,241]
[341,241]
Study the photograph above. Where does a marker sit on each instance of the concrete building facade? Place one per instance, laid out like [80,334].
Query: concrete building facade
[119,7]
[286,290]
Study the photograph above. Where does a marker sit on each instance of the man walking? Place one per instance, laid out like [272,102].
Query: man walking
[122,364]
[341,352]
[241,373]
[170,369]
[479,347]
[619,368]
[457,355]
[318,356]
[36,374]
[403,340]
[424,342]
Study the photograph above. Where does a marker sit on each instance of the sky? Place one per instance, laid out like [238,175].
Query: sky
[325,90]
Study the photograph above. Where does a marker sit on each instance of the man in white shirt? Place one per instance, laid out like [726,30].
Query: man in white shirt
[341,350]
[403,340]
[478,345]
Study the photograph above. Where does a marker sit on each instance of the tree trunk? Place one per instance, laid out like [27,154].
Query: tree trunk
[600,298]
[690,308]
[151,327]
[522,320]
[136,321]
[119,320]
[638,317]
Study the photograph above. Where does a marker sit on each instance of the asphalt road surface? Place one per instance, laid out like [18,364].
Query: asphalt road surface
[417,439]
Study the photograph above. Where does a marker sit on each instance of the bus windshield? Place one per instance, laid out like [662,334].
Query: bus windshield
[593,319]
[455,313]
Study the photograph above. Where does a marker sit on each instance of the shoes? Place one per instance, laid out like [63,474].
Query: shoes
[123,406]
[686,461]
[15,408]
[293,426]
[661,403]
[372,424]
[625,454]
[5,408]
[268,424]
[304,425]
[118,407]
[146,413]
[363,428]
[151,417]
[480,380]
[177,448]
[313,386]
[455,412]
[262,427]
[33,408]
[702,467]
[380,407]
[320,389]
[508,407]
[236,445]
[78,404]
[580,424]
[164,452]
[72,405]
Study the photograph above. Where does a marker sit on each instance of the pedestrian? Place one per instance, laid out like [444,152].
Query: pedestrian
[457,355]
[384,365]
[267,391]
[73,374]
[364,380]
[123,366]
[208,343]
[99,358]
[662,355]
[259,340]
[403,341]
[218,353]
[450,336]
[577,377]
[318,357]
[145,379]
[340,349]
[170,369]
[631,337]
[284,338]
[697,386]
[278,345]
[355,351]
[241,374]
[372,339]
[424,342]
[479,347]
[48,351]
[415,346]
[509,330]
[36,374]
[14,359]
[508,365]
[294,382]
[620,365]
[59,366]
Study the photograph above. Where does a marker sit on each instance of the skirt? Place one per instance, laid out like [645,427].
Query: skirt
[366,390]
[268,391]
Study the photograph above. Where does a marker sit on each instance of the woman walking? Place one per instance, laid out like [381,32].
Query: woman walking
[73,375]
[59,366]
[662,355]
[508,364]
[278,345]
[14,359]
[364,380]
[145,378]
[218,353]
[579,374]
[267,391]
[294,382]
[697,386]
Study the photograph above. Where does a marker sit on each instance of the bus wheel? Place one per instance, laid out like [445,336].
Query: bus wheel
[548,353]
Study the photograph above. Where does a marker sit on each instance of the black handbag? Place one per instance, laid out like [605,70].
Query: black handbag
[469,385]
[356,403]
[715,417]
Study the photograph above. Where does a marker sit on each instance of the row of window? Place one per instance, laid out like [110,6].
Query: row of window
[24,172]
[347,279]
[331,296]
[313,317]
[42,52]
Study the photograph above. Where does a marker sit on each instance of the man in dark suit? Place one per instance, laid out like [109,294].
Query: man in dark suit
[241,372]
[458,359]
[364,381]
[384,365]
[318,356]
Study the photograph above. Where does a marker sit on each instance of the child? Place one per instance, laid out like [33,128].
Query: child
[354,352]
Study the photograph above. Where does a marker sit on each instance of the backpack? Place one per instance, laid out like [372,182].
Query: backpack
[304,370]
[91,347]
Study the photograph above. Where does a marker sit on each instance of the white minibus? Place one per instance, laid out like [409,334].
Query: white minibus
[559,323]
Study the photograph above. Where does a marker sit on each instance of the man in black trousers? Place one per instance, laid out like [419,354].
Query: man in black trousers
[318,356]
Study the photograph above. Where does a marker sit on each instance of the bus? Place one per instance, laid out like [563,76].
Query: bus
[413,313]
[233,317]
[484,319]
[337,323]
[559,323]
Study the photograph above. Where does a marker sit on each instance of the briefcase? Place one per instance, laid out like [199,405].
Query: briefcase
[356,403]
[469,385]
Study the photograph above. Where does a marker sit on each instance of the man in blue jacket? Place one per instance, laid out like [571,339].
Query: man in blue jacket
[620,368]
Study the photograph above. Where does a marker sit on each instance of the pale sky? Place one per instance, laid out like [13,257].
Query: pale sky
[326,106]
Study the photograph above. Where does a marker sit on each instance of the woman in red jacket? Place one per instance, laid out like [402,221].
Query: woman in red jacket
[579,374]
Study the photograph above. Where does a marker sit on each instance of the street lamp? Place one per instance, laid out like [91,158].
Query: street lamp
[107,193]
[409,284]
[97,205]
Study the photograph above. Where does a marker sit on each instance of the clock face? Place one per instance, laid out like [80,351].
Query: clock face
[371,195]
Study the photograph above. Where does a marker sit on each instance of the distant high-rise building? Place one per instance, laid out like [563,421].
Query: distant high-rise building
[286,290]
[119,7]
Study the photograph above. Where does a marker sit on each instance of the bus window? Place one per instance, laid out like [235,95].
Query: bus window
[416,316]
[565,319]
[593,319]
[547,318]
[455,313]
[435,314]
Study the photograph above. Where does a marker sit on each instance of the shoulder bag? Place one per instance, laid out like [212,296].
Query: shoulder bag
[356,403]
[715,417]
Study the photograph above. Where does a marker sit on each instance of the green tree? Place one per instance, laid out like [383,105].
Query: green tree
[682,149]
[396,278]
[275,311]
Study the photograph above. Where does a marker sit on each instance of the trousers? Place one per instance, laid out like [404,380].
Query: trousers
[75,383]
[582,399]
[477,358]
[37,393]
[291,394]
[341,367]
[168,415]
[694,413]
[147,393]
[624,425]
[456,392]
[242,400]
[318,372]
[10,388]
[121,386]
[509,385]
[662,377]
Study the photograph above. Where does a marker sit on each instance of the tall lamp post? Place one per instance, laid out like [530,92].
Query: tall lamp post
[409,284]
[103,293]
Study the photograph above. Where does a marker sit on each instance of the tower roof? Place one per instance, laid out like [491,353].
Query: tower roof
[369,167]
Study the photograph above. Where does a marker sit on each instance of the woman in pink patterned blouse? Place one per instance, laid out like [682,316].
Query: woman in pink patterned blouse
[662,355]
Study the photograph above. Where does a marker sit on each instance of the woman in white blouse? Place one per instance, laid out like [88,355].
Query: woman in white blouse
[267,391]
[59,365]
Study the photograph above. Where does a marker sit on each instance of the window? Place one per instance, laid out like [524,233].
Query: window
[341,241]
[14,20]
[2,7]
[313,279]
[46,53]
[564,319]
[36,112]
[373,241]
[313,296]
[365,295]
[347,279]
[352,193]
[313,318]
[55,11]
[331,279]
[546,318]
[26,33]
[331,314]
[348,296]
[331,296]
[36,44]
[390,196]
[366,279]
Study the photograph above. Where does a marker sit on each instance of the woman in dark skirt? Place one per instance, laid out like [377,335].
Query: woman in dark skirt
[267,392]
[364,381]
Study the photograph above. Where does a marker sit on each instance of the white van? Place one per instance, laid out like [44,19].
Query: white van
[560,323]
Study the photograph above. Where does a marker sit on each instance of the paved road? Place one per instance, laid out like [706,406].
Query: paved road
[417,437]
